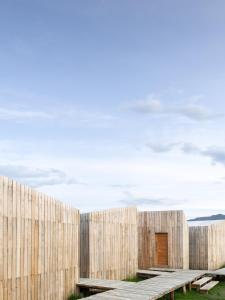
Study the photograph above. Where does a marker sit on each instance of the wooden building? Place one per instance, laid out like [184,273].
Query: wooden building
[207,244]
[39,245]
[109,244]
[163,240]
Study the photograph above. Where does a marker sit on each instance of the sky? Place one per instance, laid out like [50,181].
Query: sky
[114,103]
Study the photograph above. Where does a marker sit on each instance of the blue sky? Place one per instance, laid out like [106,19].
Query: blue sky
[112,103]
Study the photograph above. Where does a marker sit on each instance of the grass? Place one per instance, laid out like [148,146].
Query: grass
[74,297]
[222,267]
[217,293]
[133,279]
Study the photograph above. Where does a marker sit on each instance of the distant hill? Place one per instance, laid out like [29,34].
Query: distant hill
[210,218]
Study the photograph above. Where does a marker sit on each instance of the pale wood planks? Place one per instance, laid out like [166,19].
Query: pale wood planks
[219,272]
[171,222]
[151,273]
[150,289]
[39,245]
[197,284]
[198,253]
[103,284]
[109,243]
[206,288]
[207,246]
[216,245]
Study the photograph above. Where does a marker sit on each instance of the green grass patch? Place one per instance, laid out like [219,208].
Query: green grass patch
[217,293]
[133,279]
[222,267]
[75,297]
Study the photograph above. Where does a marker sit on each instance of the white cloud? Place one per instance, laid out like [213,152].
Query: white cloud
[151,106]
[190,148]
[153,183]
[68,117]
[123,186]
[132,200]
[36,177]
[192,111]
[19,114]
[217,154]
[162,148]
[195,112]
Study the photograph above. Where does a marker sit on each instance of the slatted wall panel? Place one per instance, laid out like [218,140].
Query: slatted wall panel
[171,222]
[216,246]
[198,237]
[207,246]
[186,243]
[39,245]
[110,251]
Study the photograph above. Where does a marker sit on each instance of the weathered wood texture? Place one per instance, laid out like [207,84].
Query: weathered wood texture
[207,246]
[198,248]
[150,289]
[39,245]
[109,247]
[174,224]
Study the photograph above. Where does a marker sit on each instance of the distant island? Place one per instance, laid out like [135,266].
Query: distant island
[210,218]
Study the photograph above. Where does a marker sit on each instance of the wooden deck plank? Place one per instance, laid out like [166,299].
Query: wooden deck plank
[149,289]
[151,273]
[219,272]
[103,284]
[201,282]
[205,289]
[169,270]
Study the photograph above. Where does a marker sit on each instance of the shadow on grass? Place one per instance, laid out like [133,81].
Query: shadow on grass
[74,297]
[133,279]
[217,293]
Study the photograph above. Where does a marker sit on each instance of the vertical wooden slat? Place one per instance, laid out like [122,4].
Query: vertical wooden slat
[207,246]
[172,223]
[34,229]
[108,243]
[1,236]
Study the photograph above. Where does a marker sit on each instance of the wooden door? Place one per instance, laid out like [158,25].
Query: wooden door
[161,240]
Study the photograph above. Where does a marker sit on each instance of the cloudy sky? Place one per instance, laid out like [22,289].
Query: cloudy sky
[112,103]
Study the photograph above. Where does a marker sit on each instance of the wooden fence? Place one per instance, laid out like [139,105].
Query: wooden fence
[39,245]
[198,258]
[207,246]
[109,244]
[171,223]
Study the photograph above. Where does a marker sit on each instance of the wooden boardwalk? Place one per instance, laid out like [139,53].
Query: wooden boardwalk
[102,284]
[149,289]
[219,272]
[152,272]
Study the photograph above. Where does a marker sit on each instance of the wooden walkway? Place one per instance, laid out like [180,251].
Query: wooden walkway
[150,273]
[102,284]
[219,272]
[149,289]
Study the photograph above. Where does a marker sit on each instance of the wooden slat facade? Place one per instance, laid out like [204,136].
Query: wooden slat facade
[109,248]
[198,248]
[207,246]
[172,223]
[39,245]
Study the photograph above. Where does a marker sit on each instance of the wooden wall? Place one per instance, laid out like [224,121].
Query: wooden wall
[216,245]
[109,244]
[207,246]
[171,222]
[198,248]
[39,245]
